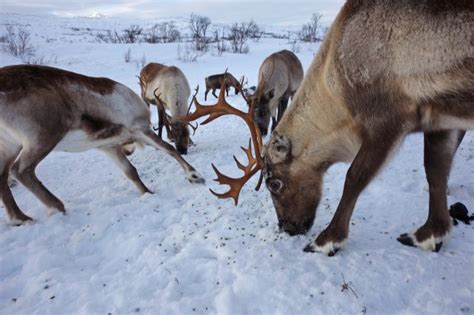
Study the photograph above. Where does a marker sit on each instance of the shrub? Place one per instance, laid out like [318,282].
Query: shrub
[165,32]
[17,43]
[310,31]
[238,38]
[198,26]
[132,34]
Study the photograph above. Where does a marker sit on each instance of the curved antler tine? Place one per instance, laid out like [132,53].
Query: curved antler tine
[242,80]
[260,181]
[194,128]
[248,151]
[226,195]
[241,88]
[233,183]
[196,90]
[239,165]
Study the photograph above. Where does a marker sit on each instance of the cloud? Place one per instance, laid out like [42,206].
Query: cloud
[266,12]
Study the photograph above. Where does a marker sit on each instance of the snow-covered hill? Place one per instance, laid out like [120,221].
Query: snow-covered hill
[182,251]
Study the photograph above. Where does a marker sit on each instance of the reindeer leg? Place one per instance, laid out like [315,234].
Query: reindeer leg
[24,170]
[371,156]
[282,107]
[153,140]
[274,123]
[117,155]
[214,93]
[161,121]
[14,213]
[205,94]
[440,148]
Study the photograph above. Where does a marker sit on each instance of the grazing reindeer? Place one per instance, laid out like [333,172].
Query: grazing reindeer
[385,69]
[167,88]
[44,109]
[214,82]
[279,77]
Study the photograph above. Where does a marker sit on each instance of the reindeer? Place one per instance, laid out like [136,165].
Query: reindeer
[44,109]
[279,77]
[214,82]
[167,88]
[385,69]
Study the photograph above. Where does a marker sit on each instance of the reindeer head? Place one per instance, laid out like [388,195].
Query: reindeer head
[180,135]
[262,114]
[294,183]
[294,193]
[178,130]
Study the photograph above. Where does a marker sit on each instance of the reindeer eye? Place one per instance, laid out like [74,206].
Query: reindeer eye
[274,185]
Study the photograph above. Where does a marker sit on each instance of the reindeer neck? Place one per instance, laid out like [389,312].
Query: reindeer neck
[318,120]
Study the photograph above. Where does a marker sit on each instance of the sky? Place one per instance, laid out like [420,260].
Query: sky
[266,12]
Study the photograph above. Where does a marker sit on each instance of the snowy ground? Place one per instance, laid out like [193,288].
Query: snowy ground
[182,251]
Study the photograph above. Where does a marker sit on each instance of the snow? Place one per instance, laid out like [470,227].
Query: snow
[182,251]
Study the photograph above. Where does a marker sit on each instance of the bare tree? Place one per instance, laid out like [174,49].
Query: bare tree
[132,34]
[198,26]
[165,32]
[110,37]
[310,31]
[17,43]
[220,40]
[238,38]
[254,31]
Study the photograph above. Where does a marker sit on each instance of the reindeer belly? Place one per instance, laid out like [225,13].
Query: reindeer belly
[79,140]
[76,141]
[452,122]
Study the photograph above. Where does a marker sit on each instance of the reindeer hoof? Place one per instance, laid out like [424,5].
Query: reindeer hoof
[308,248]
[431,244]
[195,178]
[330,249]
[146,191]
[406,240]
[53,211]
[23,219]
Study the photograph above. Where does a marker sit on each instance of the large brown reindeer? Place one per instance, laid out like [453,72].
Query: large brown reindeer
[44,109]
[279,77]
[385,69]
[167,88]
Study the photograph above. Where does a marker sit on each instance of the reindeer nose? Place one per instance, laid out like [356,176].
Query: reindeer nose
[293,228]
[182,150]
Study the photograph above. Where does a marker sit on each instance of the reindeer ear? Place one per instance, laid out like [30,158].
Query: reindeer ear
[278,148]
[271,94]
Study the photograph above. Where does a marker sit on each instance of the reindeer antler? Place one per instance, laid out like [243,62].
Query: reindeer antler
[164,118]
[255,162]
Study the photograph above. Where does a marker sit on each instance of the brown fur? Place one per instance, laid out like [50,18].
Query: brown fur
[279,77]
[385,69]
[21,81]
[214,82]
[173,90]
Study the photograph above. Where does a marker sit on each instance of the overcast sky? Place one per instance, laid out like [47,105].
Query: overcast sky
[266,12]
